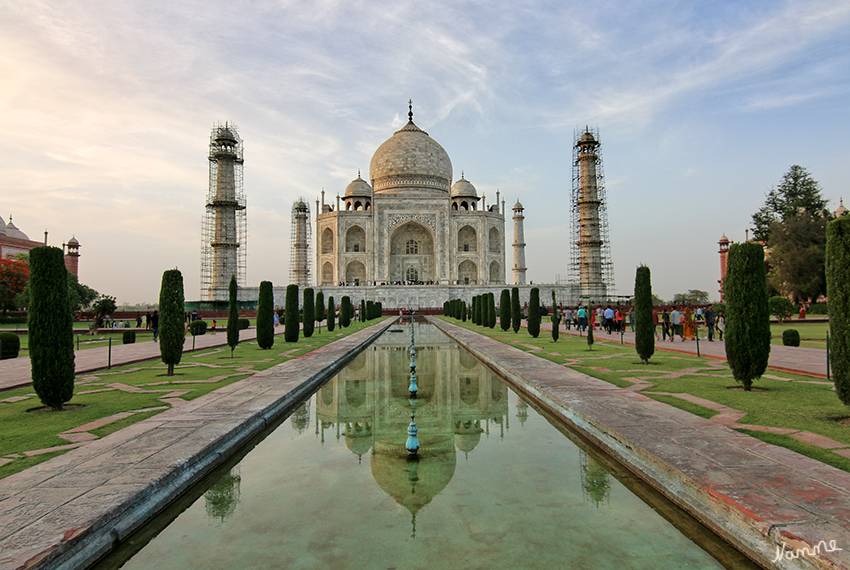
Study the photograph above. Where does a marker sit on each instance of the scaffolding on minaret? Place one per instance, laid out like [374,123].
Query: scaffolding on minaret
[300,260]
[591,267]
[224,229]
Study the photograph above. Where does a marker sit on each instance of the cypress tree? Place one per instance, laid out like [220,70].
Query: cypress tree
[362,311]
[345,312]
[589,327]
[747,313]
[51,327]
[534,312]
[331,314]
[265,316]
[556,318]
[491,310]
[644,325]
[505,310]
[172,315]
[291,320]
[379,310]
[370,310]
[309,308]
[320,307]
[473,312]
[463,311]
[516,310]
[838,291]
[232,316]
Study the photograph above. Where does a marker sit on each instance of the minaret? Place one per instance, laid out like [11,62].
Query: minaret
[300,256]
[224,226]
[519,246]
[72,258]
[588,203]
[724,256]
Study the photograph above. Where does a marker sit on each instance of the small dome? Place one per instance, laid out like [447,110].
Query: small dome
[358,187]
[224,134]
[13,231]
[587,137]
[723,239]
[2,227]
[518,206]
[411,159]
[841,211]
[464,187]
[73,241]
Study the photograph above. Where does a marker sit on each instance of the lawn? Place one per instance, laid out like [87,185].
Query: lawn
[136,388]
[778,400]
[812,335]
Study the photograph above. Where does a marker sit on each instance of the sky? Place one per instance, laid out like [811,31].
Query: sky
[701,108]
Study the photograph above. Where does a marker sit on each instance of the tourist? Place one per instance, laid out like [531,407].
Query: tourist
[568,316]
[582,319]
[155,324]
[709,323]
[608,319]
[632,319]
[720,324]
[666,326]
[213,327]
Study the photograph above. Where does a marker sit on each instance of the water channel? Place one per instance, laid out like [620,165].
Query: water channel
[496,485]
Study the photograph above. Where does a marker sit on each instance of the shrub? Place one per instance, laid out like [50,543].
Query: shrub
[345,312]
[172,312]
[233,316]
[10,345]
[331,314]
[265,316]
[781,307]
[747,316]
[505,310]
[362,311]
[534,312]
[309,313]
[370,310]
[379,310]
[838,290]
[51,328]
[790,337]
[290,322]
[198,328]
[818,309]
[12,319]
[491,310]
[556,318]
[244,324]
[129,337]
[644,324]
[320,307]
[516,310]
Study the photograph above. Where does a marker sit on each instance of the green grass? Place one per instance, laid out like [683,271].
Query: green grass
[812,335]
[780,399]
[27,430]
[813,451]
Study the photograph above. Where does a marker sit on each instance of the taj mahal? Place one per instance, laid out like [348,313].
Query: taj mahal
[406,236]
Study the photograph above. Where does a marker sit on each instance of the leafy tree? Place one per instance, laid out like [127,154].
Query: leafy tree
[747,316]
[556,318]
[656,300]
[644,324]
[331,314]
[345,312]
[51,329]
[798,257]
[781,307]
[505,310]
[233,316]
[320,307]
[309,309]
[534,312]
[104,305]
[797,193]
[172,315]
[838,289]
[81,296]
[14,276]
[516,310]
[692,297]
[291,320]
[265,316]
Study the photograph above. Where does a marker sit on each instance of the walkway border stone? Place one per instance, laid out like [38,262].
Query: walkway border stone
[70,511]
[767,501]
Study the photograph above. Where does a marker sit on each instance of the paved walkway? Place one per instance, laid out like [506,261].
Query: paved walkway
[793,359]
[15,372]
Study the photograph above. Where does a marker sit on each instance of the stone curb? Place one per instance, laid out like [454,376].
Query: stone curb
[72,510]
[754,495]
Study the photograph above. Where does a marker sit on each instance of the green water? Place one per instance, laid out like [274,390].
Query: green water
[496,485]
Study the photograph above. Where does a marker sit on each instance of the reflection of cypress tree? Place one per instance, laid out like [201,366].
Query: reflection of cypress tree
[595,480]
[221,498]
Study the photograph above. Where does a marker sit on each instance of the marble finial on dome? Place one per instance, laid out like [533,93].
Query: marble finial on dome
[410,110]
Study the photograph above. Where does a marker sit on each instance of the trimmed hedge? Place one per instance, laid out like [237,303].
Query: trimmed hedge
[790,337]
[198,328]
[265,316]
[516,310]
[172,312]
[233,316]
[533,321]
[505,310]
[129,337]
[309,310]
[291,328]
[10,345]
[644,324]
[838,291]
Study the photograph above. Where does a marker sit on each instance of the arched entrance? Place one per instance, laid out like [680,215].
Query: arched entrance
[412,254]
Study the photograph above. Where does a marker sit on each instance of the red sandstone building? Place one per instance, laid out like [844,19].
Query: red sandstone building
[13,241]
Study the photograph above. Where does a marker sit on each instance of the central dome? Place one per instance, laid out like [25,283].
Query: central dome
[410,159]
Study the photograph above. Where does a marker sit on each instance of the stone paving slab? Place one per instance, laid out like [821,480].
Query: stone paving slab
[761,498]
[69,511]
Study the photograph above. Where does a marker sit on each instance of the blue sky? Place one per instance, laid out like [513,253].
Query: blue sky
[108,105]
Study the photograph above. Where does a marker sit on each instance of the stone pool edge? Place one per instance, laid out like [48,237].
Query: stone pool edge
[754,495]
[70,511]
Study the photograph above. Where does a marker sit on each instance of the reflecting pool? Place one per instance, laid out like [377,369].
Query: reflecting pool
[495,485]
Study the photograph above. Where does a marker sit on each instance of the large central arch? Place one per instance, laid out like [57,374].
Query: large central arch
[412,253]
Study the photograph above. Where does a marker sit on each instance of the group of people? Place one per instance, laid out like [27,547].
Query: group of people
[610,319]
[680,321]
